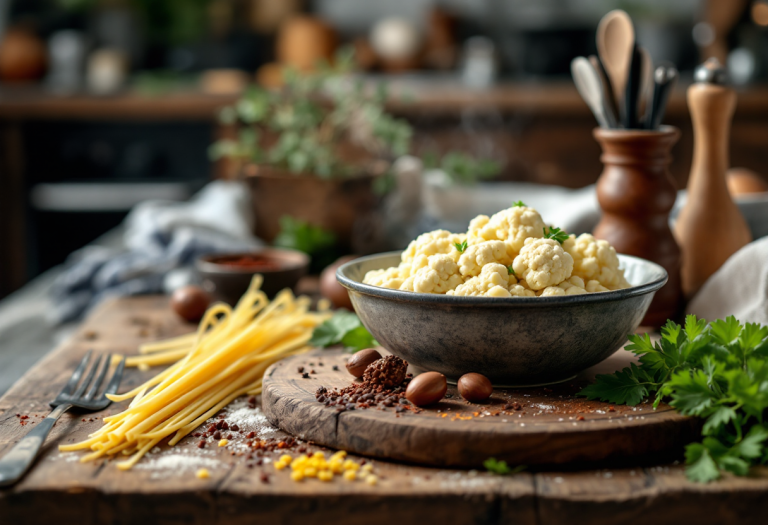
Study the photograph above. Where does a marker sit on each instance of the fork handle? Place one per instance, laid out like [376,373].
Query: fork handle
[16,462]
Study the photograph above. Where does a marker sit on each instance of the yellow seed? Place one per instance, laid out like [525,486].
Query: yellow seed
[367,467]
[223,443]
[371,479]
[297,475]
[341,454]
[325,475]
[279,465]
[350,475]
[286,458]
[350,465]
[337,467]
[202,473]
[318,454]
[310,472]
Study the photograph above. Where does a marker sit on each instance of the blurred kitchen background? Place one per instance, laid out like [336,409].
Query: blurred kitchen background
[107,103]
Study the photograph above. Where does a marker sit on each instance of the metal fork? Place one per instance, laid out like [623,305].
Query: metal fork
[23,454]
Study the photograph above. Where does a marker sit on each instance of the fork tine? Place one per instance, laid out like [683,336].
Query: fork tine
[88,378]
[72,383]
[114,383]
[99,379]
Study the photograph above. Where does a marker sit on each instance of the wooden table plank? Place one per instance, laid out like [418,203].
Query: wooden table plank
[62,489]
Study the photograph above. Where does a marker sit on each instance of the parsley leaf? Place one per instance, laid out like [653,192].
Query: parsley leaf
[518,204]
[625,387]
[461,246]
[500,467]
[701,466]
[716,371]
[557,234]
[343,328]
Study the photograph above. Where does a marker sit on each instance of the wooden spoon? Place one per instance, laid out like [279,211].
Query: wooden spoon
[615,42]
[589,86]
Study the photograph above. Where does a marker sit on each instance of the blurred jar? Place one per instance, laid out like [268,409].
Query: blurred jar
[479,66]
[22,56]
[66,50]
[107,71]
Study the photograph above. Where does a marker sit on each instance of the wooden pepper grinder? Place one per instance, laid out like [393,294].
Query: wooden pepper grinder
[710,227]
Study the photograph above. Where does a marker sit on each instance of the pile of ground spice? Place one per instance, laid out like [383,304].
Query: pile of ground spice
[383,386]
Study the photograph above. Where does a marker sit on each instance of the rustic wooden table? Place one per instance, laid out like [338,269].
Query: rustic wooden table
[60,489]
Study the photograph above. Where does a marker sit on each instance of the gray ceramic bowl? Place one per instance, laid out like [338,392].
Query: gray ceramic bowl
[513,341]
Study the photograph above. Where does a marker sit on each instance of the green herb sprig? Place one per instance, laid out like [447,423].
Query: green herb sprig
[501,468]
[557,234]
[716,371]
[460,246]
[343,328]
[518,204]
[511,271]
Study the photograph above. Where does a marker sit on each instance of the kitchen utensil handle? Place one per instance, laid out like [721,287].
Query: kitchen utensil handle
[632,91]
[18,460]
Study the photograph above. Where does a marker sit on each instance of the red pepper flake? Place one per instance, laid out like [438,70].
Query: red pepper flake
[234,428]
[251,435]
[580,418]
[201,444]
[24,417]
[264,477]
[611,409]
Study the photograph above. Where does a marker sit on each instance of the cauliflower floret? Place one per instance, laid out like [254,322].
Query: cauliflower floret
[595,286]
[389,278]
[595,260]
[550,291]
[440,275]
[573,286]
[492,282]
[512,226]
[479,255]
[543,263]
[518,290]
[433,243]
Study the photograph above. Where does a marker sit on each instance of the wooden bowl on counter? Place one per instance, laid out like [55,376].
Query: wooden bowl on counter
[227,276]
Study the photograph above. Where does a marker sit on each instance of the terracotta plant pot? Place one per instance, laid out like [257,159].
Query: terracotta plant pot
[636,194]
[347,207]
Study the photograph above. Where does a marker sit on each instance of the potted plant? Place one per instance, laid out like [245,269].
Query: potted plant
[313,150]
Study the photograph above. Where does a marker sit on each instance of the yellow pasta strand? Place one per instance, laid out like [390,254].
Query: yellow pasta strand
[224,359]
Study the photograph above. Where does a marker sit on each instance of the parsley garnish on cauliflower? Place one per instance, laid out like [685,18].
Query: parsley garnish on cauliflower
[505,255]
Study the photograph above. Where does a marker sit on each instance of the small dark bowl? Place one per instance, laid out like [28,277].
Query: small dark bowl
[229,283]
[516,341]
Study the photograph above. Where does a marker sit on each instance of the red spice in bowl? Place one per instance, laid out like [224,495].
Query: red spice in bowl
[251,262]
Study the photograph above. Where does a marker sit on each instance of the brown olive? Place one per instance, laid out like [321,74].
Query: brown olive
[330,287]
[360,361]
[426,389]
[474,387]
[190,302]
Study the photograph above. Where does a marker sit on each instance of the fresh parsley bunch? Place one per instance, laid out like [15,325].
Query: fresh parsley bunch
[716,371]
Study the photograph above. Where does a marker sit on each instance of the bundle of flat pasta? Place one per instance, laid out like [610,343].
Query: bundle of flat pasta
[225,359]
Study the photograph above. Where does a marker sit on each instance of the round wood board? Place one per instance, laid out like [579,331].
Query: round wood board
[553,426]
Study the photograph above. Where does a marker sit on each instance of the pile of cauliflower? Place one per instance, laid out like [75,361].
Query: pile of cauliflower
[511,254]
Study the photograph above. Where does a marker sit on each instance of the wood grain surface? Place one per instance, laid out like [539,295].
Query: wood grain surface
[550,426]
[60,489]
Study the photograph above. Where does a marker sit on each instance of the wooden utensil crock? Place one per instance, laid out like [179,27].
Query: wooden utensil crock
[636,194]
[710,227]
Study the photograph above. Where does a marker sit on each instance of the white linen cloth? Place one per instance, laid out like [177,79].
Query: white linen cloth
[739,287]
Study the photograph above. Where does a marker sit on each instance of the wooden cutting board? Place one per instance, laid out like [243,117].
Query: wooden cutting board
[546,426]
